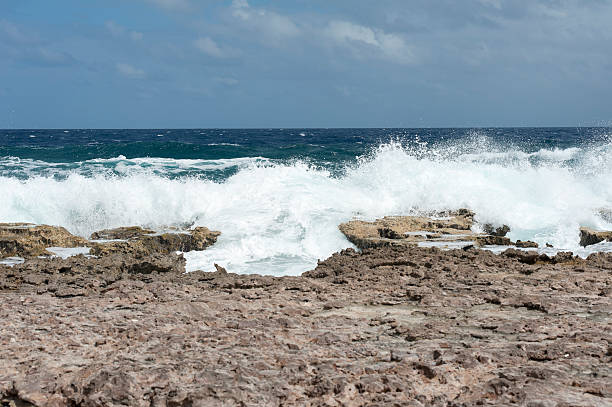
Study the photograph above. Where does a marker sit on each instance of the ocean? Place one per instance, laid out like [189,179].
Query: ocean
[278,195]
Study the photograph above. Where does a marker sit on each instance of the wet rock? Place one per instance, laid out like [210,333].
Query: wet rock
[446,226]
[493,240]
[532,257]
[122,233]
[449,229]
[142,242]
[526,244]
[589,236]
[496,230]
[220,269]
[29,240]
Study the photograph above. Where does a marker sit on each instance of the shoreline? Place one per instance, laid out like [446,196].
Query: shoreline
[387,326]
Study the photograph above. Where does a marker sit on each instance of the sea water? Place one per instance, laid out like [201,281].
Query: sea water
[278,195]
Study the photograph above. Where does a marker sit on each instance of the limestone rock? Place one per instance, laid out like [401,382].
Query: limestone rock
[526,244]
[141,242]
[496,231]
[122,233]
[405,326]
[446,229]
[488,240]
[28,240]
[409,230]
[590,236]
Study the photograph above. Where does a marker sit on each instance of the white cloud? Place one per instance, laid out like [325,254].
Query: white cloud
[345,31]
[119,31]
[273,26]
[227,81]
[136,36]
[130,71]
[171,4]
[496,4]
[359,38]
[208,46]
[14,33]
[114,29]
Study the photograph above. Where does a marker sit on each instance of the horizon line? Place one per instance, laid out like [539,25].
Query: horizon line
[306,128]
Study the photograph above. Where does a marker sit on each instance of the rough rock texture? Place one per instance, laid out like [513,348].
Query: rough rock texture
[526,244]
[390,326]
[589,236]
[82,276]
[28,240]
[142,242]
[122,233]
[442,228]
[496,231]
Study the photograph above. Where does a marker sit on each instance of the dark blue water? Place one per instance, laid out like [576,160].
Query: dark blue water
[278,195]
[325,145]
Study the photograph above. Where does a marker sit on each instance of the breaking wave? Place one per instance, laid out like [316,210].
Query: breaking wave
[280,217]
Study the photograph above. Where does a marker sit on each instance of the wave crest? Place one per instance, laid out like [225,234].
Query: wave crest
[280,217]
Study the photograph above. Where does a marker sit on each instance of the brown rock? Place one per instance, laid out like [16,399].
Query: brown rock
[493,240]
[526,244]
[28,240]
[407,326]
[590,236]
[141,242]
[409,230]
[122,233]
[496,231]
[444,229]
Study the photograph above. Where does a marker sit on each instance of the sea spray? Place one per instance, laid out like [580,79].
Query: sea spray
[280,216]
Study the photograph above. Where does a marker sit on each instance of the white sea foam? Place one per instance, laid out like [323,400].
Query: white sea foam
[65,252]
[123,165]
[12,261]
[280,218]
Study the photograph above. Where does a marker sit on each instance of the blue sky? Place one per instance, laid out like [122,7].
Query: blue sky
[304,63]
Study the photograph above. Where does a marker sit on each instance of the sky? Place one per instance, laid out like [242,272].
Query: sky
[304,63]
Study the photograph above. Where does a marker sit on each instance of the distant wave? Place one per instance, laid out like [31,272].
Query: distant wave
[120,165]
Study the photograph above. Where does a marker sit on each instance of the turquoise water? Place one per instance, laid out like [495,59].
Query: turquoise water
[277,195]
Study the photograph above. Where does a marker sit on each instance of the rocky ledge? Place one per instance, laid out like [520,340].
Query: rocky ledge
[141,242]
[590,236]
[390,326]
[445,229]
[27,240]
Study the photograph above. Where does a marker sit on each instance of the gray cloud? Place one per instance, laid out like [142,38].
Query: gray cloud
[361,39]
[209,47]
[274,27]
[357,62]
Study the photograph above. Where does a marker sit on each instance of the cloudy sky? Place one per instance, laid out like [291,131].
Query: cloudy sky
[305,63]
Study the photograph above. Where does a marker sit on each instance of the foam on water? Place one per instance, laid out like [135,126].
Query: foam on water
[279,218]
[24,168]
[65,252]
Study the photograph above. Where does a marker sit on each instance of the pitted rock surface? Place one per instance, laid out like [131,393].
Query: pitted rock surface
[29,240]
[389,326]
[590,236]
[444,228]
[142,242]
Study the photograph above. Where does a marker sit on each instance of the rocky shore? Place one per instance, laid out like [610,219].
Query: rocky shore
[394,324]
